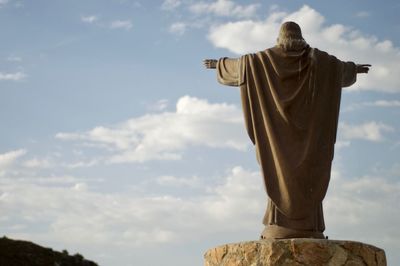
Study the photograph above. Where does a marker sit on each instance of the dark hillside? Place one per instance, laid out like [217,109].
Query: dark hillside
[24,253]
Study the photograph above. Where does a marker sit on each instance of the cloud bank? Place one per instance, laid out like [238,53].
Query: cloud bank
[121,24]
[9,158]
[372,131]
[73,213]
[164,136]
[12,76]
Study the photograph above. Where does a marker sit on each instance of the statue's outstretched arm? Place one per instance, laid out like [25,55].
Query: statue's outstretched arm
[363,68]
[210,63]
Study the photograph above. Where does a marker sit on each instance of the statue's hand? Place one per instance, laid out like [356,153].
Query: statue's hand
[210,63]
[363,68]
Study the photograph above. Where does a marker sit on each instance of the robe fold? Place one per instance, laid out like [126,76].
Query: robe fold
[291,102]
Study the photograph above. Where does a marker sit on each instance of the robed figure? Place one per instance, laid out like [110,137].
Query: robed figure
[290,96]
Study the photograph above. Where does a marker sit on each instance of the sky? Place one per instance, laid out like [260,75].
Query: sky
[116,143]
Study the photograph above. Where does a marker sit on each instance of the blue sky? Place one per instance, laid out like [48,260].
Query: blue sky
[117,144]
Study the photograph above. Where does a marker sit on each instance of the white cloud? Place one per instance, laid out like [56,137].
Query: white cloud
[13,58]
[225,8]
[38,163]
[115,24]
[372,131]
[377,103]
[364,204]
[8,158]
[178,28]
[341,144]
[89,19]
[170,4]
[12,76]
[363,14]
[72,213]
[82,164]
[164,136]
[244,36]
[121,24]
[384,103]
[160,105]
[343,41]
[240,197]
[174,181]
[80,187]
[35,164]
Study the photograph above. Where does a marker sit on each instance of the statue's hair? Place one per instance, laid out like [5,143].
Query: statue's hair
[290,38]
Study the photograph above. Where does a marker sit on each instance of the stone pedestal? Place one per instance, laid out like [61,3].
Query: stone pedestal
[295,252]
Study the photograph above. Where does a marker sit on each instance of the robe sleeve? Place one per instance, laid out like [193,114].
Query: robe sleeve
[349,74]
[228,71]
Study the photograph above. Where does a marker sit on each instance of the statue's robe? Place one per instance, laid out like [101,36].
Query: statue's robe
[291,105]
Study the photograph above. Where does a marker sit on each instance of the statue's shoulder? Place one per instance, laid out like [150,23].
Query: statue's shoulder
[262,53]
[319,52]
[249,55]
[322,54]
[271,50]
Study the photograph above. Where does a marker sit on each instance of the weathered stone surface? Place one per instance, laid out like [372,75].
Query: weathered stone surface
[295,252]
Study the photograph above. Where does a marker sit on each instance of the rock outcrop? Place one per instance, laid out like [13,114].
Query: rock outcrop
[295,252]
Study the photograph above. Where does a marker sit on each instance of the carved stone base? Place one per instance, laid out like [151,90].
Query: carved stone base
[297,251]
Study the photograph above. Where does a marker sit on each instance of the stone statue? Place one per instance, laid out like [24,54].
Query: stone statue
[290,96]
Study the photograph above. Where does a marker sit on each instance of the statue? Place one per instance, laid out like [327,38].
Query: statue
[290,97]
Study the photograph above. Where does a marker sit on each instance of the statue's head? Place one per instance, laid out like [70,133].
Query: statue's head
[290,37]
